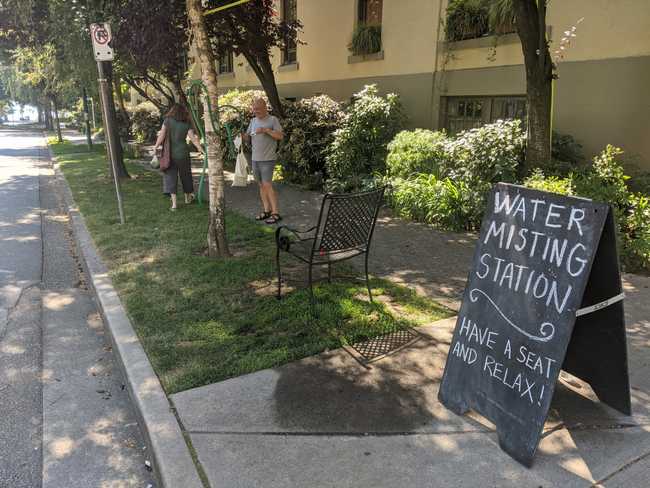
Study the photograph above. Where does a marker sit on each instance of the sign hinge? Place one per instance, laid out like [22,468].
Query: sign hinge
[600,305]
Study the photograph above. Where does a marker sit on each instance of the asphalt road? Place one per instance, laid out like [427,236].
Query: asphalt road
[65,418]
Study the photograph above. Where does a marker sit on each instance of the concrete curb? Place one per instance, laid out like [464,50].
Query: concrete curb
[171,458]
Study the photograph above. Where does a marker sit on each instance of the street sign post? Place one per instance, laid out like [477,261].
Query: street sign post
[101,37]
[103,52]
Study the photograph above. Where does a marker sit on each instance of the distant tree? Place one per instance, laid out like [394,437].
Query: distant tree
[151,44]
[252,30]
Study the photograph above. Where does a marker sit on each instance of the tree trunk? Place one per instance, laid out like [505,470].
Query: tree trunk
[103,122]
[117,86]
[181,97]
[264,71]
[39,109]
[538,98]
[48,116]
[530,18]
[217,242]
[56,119]
[115,142]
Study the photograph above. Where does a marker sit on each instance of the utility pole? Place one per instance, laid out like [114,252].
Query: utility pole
[89,139]
[101,36]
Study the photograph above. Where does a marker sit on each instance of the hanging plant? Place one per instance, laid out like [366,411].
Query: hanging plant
[469,19]
[366,39]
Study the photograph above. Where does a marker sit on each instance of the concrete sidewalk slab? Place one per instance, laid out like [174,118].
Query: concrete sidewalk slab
[329,421]
[565,459]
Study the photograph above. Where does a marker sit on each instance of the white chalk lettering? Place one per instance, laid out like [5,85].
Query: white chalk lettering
[552,214]
[573,219]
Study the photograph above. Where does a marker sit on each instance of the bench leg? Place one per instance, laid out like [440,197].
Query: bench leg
[367,280]
[277,263]
[329,272]
[311,290]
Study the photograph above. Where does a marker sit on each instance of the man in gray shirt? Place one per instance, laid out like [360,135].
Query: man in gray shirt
[264,132]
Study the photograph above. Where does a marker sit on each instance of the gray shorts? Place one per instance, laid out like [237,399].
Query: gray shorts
[263,171]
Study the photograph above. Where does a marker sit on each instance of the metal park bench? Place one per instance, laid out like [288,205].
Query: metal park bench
[345,226]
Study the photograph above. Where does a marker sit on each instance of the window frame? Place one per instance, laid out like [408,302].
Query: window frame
[290,48]
[361,16]
[488,109]
[230,65]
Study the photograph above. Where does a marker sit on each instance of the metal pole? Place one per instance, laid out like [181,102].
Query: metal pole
[92,109]
[108,123]
[89,139]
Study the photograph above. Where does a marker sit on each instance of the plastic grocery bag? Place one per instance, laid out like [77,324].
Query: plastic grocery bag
[241,169]
[155,163]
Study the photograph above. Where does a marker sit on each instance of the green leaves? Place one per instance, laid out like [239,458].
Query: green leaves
[360,146]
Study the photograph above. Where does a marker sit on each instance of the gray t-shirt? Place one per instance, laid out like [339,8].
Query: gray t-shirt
[264,146]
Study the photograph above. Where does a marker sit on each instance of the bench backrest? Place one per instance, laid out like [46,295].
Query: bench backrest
[346,221]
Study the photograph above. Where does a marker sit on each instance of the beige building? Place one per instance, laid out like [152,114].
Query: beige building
[602,94]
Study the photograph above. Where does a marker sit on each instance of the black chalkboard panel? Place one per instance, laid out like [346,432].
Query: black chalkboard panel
[530,275]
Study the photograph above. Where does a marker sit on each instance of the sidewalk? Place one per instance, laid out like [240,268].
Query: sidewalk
[328,421]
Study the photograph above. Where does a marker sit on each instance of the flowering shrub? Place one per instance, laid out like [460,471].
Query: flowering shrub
[359,147]
[309,127]
[554,184]
[145,122]
[605,181]
[418,151]
[491,153]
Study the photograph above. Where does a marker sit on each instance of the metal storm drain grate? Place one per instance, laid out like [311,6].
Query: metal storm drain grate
[384,345]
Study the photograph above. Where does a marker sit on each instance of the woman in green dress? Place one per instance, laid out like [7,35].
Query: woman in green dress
[177,127]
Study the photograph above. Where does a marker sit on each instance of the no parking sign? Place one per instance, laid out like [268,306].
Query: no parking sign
[101,37]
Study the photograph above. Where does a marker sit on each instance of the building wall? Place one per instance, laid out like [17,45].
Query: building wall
[408,38]
[601,95]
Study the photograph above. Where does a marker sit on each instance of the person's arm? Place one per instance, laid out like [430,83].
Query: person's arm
[275,132]
[246,136]
[195,140]
[161,135]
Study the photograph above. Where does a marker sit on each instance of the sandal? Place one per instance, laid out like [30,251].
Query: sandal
[273,219]
[263,216]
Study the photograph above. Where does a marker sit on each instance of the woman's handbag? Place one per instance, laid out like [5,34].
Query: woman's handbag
[241,169]
[165,156]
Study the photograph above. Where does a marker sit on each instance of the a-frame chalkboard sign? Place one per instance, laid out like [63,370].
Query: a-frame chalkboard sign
[544,294]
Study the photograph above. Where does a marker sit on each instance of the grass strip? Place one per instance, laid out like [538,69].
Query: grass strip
[203,320]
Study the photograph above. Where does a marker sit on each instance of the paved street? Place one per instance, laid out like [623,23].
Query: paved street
[65,419]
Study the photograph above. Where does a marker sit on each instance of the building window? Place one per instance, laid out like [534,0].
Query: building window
[225,63]
[463,113]
[290,49]
[370,12]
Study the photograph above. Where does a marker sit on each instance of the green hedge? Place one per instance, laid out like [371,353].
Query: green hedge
[605,181]
[309,127]
[360,146]
[146,121]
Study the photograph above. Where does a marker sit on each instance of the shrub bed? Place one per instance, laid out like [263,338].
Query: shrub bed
[360,146]
[309,127]
[145,122]
[444,180]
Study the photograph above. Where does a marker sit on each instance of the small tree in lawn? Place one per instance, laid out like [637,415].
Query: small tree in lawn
[217,242]
[530,19]
[251,30]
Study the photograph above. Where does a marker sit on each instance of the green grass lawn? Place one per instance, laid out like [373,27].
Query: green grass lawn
[203,320]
